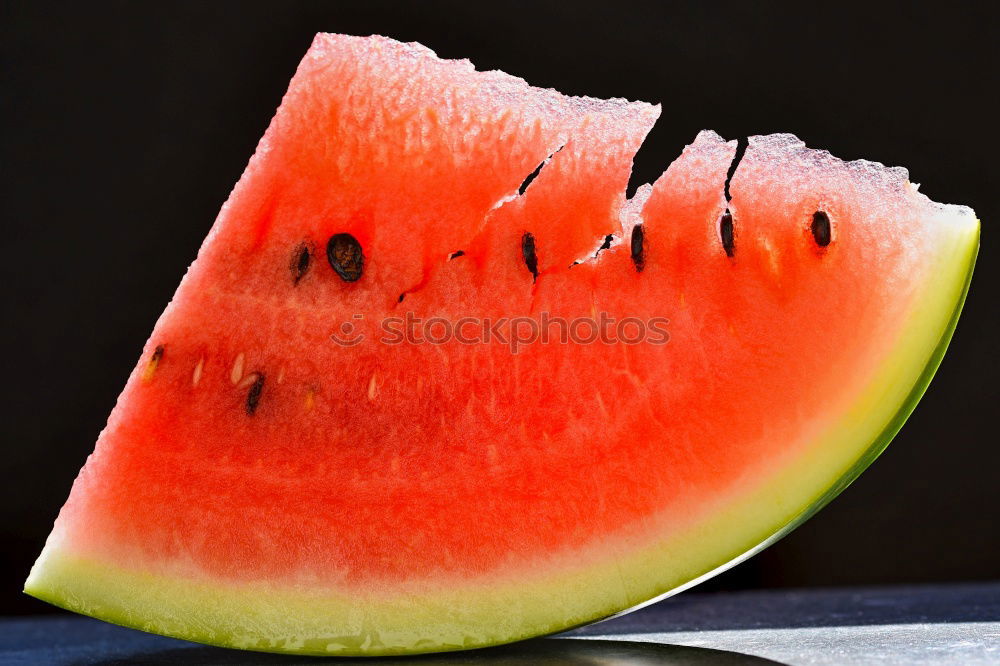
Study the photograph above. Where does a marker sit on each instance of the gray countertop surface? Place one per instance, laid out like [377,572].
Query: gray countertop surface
[943,624]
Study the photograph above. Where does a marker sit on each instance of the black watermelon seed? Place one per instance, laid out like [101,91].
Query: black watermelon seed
[401,297]
[301,262]
[157,354]
[528,252]
[821,228]
[253,395]
[726,232]
[456,254]
[638,246]
[607,242]
[343,251]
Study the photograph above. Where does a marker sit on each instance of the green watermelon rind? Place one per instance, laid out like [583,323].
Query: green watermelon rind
[95,588]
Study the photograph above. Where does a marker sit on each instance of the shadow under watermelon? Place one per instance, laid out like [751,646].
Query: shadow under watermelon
[537,652]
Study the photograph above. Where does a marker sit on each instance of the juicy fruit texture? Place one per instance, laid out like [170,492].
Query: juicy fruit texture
[278,476]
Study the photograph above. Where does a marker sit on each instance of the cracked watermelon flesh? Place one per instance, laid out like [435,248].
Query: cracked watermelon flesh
[260,486]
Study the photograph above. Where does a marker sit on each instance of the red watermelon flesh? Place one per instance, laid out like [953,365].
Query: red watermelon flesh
[261,485]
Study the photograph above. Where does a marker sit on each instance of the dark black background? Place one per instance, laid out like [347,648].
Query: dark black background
[124,126]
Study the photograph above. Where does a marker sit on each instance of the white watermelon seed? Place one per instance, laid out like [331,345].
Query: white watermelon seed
[237,373]
[154,361]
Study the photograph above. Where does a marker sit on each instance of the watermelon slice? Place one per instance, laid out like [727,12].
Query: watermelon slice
[348,435]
